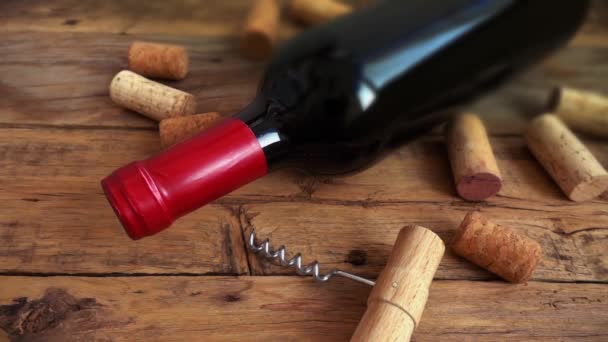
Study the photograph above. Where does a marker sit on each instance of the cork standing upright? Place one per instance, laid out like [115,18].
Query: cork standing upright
[314,12]
[261,29]
[474,166]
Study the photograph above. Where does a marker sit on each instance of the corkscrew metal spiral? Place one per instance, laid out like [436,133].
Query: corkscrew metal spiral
[313,269]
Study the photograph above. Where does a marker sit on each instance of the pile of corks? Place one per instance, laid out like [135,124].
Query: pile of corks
[501,250]
[175,109]
[512,255]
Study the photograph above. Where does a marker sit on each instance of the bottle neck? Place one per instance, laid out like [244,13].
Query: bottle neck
[259,117]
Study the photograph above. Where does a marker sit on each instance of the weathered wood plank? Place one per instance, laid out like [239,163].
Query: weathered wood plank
[58,171]
[55,219]
[62,78]
[360,239]
[287,308]
[192,18]
[418,172]
[75,232]
[182,18]
[421,172]
[155,17]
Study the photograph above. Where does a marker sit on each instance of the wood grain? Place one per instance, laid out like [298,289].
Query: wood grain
[60,134]
[418,172]
[280,308]
[58,74]
[191,18]
[58,171]
[62,79]
[55,219]
[360,239]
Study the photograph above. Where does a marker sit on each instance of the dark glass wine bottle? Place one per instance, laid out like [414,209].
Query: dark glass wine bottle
[338,97]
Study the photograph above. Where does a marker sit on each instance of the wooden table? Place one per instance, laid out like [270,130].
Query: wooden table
[68,272]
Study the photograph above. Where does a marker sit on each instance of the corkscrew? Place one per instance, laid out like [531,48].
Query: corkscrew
[398,297]
[314,268]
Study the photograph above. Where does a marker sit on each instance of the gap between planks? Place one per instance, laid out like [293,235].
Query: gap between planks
[29,126]
[490,279]
[279,308]
[328,219]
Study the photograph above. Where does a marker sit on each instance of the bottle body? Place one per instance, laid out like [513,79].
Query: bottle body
[337,98]
[334,101]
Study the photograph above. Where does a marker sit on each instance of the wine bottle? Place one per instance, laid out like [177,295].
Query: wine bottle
[340,96]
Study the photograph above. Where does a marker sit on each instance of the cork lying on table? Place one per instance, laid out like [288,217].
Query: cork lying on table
[261,29]
[474,166]
[313,12]
[581,110]
[578,173]
[149,98]
[175,130]
[500,250]
[158,60]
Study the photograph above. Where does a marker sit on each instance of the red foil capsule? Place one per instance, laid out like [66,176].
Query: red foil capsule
[149,195]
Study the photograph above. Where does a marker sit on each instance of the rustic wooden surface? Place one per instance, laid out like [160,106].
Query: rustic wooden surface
[287,309]
[61,247]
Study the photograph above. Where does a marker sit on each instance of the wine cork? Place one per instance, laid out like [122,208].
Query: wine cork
[583,111]
[396,303]
[150,98]
[474,167]
[178,129]
[158,60]
[580,176]
[313,12]
[500,250]
[261,29]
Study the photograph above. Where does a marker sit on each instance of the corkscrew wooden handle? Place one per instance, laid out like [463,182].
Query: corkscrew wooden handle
[397,300]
